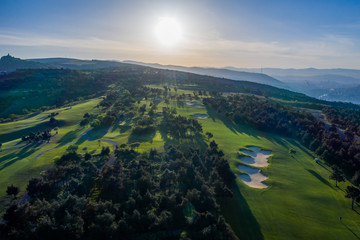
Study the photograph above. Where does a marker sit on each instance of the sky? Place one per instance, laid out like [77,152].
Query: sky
[246,34]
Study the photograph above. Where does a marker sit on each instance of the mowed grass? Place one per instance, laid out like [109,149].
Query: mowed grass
[300,203]
[19,164]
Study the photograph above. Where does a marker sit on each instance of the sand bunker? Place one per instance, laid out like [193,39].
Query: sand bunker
[257,158]
[200,116]
[194,104]
[254,177]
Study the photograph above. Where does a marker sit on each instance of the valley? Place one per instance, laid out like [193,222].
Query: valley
[294,190]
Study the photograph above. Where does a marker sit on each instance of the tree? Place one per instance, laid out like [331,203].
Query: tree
[209,135]
[213,145]
[52,120]
[337,175]
[134,145]
[87,156]
[12,190]
[143,108]
[105,151]
[353,193]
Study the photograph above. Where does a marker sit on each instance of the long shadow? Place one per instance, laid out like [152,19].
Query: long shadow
[197,140]
[296,143]
[238,214]
[351,230]
[275,139]
[69,137]
[356,210]
[124,128]
[235,128]
[116,125]
[320,178]
[326,167]
[144,137]
[24,132]
[92,135]
[246,129]
[16,156]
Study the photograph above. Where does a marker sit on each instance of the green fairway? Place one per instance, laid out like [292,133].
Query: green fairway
[300,202]
[18,163]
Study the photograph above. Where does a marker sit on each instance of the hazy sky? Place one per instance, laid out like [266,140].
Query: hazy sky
[254,33]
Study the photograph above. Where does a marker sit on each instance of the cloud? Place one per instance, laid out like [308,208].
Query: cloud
[206,50]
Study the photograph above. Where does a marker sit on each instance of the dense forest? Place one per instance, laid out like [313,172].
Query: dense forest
[30,90]
[172,195]
[272,116]
[169,194]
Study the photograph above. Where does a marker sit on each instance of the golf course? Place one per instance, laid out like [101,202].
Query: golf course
[278,194]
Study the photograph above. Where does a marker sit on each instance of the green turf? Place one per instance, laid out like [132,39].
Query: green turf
[300,202]
[18,165]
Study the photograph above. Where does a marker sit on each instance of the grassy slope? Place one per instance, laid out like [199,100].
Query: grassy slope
[18,165]
[300,203]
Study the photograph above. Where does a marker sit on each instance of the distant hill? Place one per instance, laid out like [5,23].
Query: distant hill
[355,73]
[349,94]
[220,72]
[10,64]
[77,64]
[214,72]
[329,84]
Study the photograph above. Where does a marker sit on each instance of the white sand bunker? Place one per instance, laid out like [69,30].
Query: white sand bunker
[194,104]
[254,177]
[200,116]
[257,157]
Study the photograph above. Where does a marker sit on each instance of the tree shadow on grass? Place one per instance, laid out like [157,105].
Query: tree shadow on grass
[235,128]
[124,128]
[238,214]
[195,141]
[69,137]
[24,132]
[93,134]
[16,156]
[320,178]
[144,137]
[116,125]
[351,230]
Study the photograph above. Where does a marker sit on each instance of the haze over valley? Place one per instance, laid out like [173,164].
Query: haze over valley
[179,120]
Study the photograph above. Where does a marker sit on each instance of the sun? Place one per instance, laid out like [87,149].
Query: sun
[168,31]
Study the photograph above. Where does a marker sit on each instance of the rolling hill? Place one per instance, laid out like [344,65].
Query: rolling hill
[220,72]
[9,64]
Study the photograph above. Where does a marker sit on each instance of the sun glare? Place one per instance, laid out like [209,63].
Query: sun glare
[168,31]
